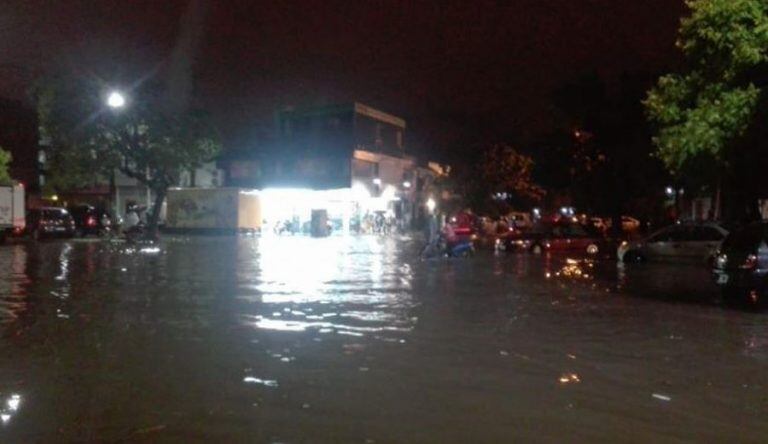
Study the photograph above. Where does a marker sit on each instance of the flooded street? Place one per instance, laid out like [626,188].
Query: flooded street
[357,340]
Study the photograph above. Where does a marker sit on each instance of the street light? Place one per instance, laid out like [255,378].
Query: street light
[406,184]
[115,100]
[431,204]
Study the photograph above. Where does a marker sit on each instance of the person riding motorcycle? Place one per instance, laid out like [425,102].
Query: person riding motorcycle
[132,221]
[449,236]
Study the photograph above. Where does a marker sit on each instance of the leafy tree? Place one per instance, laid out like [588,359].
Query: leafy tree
[706,113]
[501,178]
[5,160]
[146,139]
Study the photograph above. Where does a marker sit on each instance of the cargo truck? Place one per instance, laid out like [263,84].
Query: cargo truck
[213,210]
[12,210]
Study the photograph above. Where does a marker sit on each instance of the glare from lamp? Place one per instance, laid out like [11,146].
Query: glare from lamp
[431,204]
[115,100]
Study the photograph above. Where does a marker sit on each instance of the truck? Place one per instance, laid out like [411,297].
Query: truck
[222,210]
[12,211]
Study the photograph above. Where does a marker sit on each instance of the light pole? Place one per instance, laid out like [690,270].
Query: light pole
[116,101]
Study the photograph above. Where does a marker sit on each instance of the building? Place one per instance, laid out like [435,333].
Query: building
[346,161]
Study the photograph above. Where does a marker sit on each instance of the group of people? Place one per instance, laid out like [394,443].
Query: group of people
[379,222]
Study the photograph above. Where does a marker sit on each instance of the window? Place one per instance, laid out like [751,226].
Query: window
[574,230]
[706,234]
[664,235]
[746,238]
[363,168]
[379,140]
[680,234]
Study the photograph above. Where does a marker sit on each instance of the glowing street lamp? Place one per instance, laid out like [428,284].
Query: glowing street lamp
[115,100]
[431,204]
[406,184]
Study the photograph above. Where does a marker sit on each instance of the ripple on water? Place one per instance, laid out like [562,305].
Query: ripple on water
[352,288]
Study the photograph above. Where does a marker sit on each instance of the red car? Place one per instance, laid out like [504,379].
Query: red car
[559,236]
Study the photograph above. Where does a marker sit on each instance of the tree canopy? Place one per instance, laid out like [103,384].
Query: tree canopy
[5,160]
[703,110]
[501,178]
[145,139]
[598,157]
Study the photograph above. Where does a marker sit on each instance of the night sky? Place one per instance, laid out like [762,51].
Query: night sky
[461,73]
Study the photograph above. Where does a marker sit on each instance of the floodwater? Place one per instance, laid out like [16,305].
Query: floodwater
[357,340]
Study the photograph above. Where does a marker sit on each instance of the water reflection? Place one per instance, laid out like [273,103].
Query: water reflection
[264,382]
[9,408]
[103,342]
[13,287]
[574,269]
[336,285]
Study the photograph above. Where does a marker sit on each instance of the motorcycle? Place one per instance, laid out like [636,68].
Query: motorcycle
[135,233]
[441,248]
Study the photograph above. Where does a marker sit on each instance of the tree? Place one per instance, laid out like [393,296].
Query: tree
[706,113]
[5,160]
[501,178]
[599,157]
[146,139]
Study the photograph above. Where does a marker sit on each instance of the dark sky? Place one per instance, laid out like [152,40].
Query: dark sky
[460,72]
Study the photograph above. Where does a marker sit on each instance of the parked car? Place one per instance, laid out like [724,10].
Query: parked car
[741,264]
[562,235]
[89,220]
[628,224]
[520,220]
[689,240]
[50,222]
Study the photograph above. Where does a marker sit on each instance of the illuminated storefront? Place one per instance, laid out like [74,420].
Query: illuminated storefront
[346,210]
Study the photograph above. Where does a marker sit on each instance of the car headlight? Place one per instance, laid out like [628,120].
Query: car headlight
[721,261]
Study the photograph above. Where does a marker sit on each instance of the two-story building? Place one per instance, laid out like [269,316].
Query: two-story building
[348,160]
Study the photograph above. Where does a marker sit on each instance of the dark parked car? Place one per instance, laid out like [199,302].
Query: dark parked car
[49,222]
[559,236]
[89,220]
[741,264]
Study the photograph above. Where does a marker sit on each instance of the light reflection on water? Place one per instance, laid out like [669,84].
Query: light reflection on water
[572,268]
[12,287]
[342,285]
[10,407]
[104,341]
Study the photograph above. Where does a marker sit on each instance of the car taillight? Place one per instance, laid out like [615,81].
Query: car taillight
[749,263]
[91,221]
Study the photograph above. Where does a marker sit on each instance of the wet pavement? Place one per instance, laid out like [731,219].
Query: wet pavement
[357,340]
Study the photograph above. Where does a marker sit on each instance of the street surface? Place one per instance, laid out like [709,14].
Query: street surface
[358,340]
